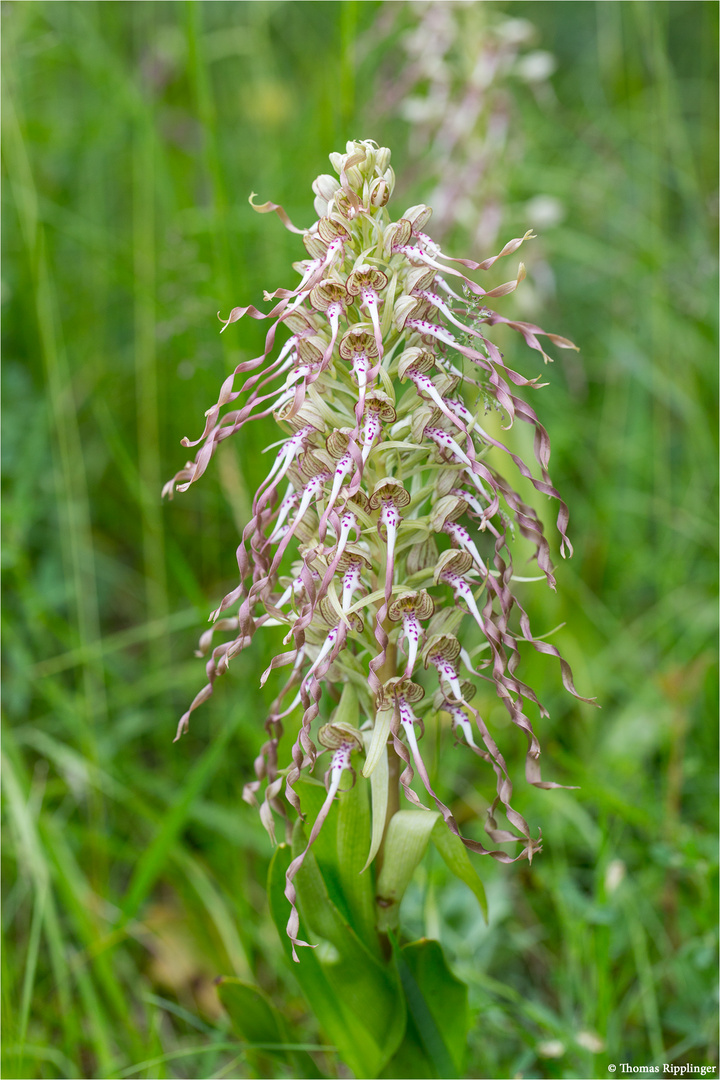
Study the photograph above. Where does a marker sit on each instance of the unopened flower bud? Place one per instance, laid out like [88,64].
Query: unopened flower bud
[418,216]
[420,556]
[448,508]
[325,186]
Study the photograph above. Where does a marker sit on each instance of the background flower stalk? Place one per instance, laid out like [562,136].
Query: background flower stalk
[382,527]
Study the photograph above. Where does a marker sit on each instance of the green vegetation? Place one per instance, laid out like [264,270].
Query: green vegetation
[134,874]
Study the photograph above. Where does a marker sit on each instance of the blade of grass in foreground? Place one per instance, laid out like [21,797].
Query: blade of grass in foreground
[151,862]
[144,190]
[35,862]
[70,475]
[221,1046]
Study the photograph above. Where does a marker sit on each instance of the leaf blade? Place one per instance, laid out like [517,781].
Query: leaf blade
[455,856]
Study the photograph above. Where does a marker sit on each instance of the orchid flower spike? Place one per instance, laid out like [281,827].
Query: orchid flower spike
[381,531]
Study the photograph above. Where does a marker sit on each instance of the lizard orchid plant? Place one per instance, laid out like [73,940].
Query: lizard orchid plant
[383,531]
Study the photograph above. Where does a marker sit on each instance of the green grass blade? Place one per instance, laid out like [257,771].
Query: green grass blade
[154,857]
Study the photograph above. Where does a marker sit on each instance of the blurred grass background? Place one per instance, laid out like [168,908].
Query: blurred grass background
[133,135]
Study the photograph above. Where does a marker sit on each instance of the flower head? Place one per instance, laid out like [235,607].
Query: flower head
[381,527]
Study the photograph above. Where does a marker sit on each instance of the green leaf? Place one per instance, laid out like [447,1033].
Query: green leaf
[312,796]
[321,915]
[255,1019]
[357,1000]
[379,798]
[445,996]
[353,838]
[410,1058]
[340,850]
[349,963]
[252,1015]
[378,741]
[405,844]
[348,710]
[438,1016]
[309,974]
[456,858]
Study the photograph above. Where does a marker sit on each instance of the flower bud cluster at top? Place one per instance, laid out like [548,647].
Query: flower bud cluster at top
[382,527]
